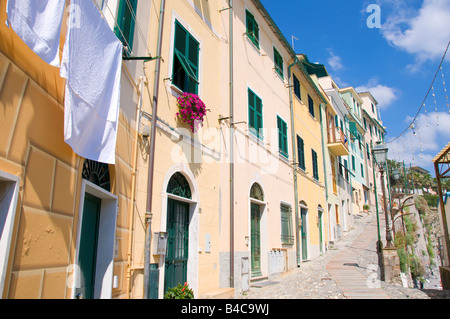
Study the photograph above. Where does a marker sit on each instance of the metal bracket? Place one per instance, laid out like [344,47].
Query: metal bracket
[224,118]
[224,9]
[145,59]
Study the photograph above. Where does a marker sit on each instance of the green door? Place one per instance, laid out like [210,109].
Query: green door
[256,239]
[304,235]
[177,244]
[88,245]
[320,231]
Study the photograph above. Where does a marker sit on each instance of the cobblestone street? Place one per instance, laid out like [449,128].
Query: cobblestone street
[348,270]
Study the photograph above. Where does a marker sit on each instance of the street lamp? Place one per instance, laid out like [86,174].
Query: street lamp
[396,174]
[379,153]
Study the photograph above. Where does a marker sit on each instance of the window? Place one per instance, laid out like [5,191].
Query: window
[287,235]
[353,163]
[362,170]
[297,90]
[185,60]
[282,137]
[126,18]
[315,165]
[252,28]
[311,105]
[301,152]
[278,60]
[255,114]
[346,169]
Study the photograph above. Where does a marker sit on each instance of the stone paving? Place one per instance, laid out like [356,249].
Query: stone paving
[346,271]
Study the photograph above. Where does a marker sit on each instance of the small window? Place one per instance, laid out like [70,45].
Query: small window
[185,60]
[362,170]
[353,163]
[126,20]
[287,235]
[297,89]
[315,165]
[278,62]
[255,114]
[301,152]
[252,28]
[282,137]
[311,105]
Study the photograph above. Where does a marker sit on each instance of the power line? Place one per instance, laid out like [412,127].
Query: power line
[426,96]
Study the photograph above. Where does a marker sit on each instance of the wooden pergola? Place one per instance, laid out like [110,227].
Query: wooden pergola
[442,169]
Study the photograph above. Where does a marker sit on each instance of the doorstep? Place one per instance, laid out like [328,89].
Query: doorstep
[223,293]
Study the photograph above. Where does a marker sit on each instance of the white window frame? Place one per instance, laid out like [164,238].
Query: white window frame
[8,206]
[106,241]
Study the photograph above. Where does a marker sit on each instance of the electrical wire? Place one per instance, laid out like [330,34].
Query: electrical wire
[426,96]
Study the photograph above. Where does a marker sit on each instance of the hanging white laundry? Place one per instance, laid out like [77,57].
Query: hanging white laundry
[38,24]
[92,65]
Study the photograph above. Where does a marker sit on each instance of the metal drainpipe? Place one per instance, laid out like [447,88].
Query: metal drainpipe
[142,82]
[322,106]
[231,148]
[294,165]
[148,212]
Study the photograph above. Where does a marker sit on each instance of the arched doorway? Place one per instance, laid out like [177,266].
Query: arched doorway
[96,233]
[177,253]
[304,229]
[256,208]
[320,226]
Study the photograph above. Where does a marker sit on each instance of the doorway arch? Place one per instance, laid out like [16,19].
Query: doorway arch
[258,238]
[179,204]
[304,228]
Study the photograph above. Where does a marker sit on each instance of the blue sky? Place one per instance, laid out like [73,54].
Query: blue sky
[396,62]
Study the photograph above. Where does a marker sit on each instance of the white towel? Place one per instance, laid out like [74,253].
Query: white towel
[92,65]
[38,24]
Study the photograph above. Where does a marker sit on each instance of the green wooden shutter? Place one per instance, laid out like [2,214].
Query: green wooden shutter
[278,62]
[282,137]
[301,152]
[251,109]
[186,60]
[258,120]
[315,166]
[126,21]
[287,237]
[311,105]
[252,28]
[353,130]
[297,90]
[255,114]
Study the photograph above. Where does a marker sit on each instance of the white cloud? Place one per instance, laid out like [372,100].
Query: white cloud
[384,95]
[335,61]
[423,33]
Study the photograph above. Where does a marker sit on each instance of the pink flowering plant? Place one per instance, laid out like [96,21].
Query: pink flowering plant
[191,110]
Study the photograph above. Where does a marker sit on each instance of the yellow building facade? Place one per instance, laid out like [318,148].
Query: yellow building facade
[50,184]
[308,103]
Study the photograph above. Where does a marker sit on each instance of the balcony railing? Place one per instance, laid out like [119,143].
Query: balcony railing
[337,141]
